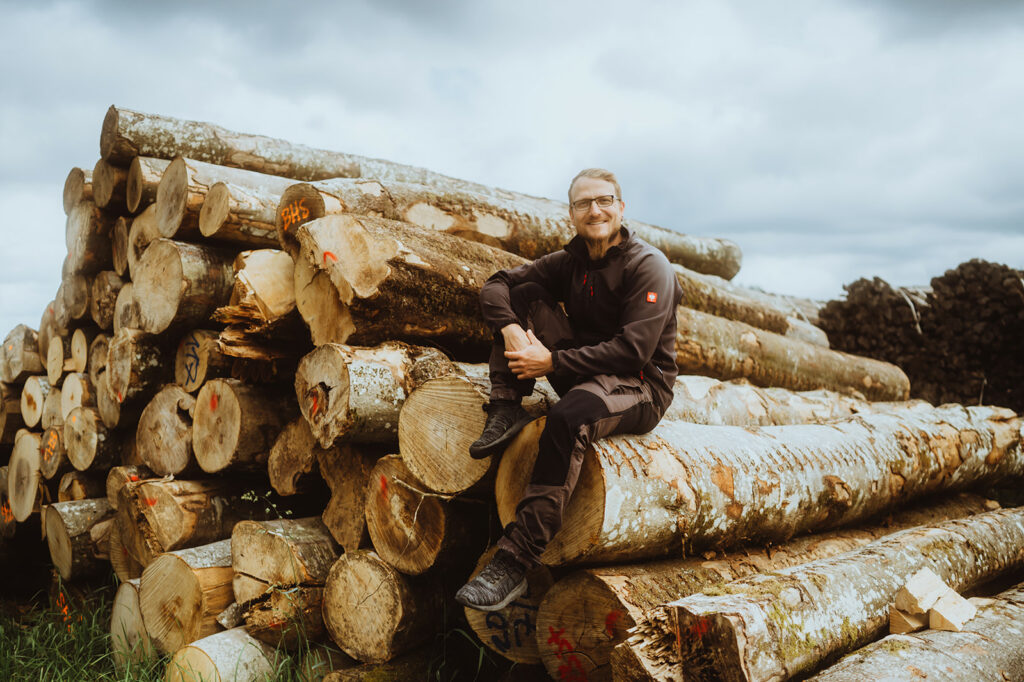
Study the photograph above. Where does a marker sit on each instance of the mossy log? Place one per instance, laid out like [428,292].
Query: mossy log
[789,622]
[686,487]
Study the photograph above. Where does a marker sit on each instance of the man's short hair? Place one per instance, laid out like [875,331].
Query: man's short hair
[597,174]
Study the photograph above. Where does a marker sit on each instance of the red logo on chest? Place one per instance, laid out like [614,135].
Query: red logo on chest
[652,297]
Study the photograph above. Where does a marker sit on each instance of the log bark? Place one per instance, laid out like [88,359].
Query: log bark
[58,359]
[181,593]
[302,203]
[380,267]
[109,183]
[120,476]
[72,547]
[135,365]
[512,631]
[52,416]
[789,622]
[75,290]
[235,425]
[442,417]
[144,175]
[33,394]
[125,566]
[53,456]
[164,434]
[77,187]
[356,394]
[129,641]
[413,529]
[179,284]
[20,357]
[23,489]
[119,245]
[76,392]
[594,609]
[373,612]
[292,465]
[87,235]
[126,309]
[280,554]
[184,189]
[691,486]
[10,413]
[230,655]
[288,618]
[105,288]
[143,231]
[988,648]
[346,469]
[97,362]
[728,350]
[79,485]
[199,360]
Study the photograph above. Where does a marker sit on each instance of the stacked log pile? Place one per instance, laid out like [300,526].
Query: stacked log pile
[957,340]
[255,389]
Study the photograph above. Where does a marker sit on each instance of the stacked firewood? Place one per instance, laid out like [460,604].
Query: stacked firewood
[957,340]
[254,393]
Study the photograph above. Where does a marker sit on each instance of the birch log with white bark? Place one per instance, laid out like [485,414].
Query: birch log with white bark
[164,433]
[725,349]
[74,550]
[400,282]
[77,187]
[231,656]
[356,394]
[988,648]
[788,623]
[144,175]
[20,356]
[683,487]
[594,609]
[129,641]
[182,592]
[178,284]
[235,425]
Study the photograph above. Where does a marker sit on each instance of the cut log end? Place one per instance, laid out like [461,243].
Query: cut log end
[172,197]
[215,210]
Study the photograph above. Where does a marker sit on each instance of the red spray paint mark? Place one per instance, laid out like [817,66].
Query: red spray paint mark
[120,398]
[150,501]
[571,670]
[610,620]
[328,254]
[213,401]
[383,484]
[133,478]
[700,628]
[316,406]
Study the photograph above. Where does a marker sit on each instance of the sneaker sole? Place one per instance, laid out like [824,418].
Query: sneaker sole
[501,441]
[516,592]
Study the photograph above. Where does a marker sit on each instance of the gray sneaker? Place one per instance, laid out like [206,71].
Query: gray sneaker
[502,580]
[505,419]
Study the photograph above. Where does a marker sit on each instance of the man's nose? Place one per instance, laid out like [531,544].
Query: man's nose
[594,208]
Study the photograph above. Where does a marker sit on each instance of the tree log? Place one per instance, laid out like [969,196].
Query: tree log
[181,593]
[235,425]
[264,284]
[356,394]
[120,476]
[80,485]
[319,304]
[53,456]
[109,183]
[230,655]
[87,235]
[179,284]
[280,554]
[302,203]
[47,328]
[33,394]
[381,267]
[23,475]
[125,566]
[292,465]
[135,365]
[8,526]
[988,648]
[725,349]
[126,309]
[20,358]
[81,340]
[52,416]
[75,291]
[199,360]
[144,230]
[10,413]
[789,622]
[373,612]
[413,529]
[442,417]
[346,470]
[242,215]
[68,526]
[594,609]
[287,618]
[144,175]
[97,362]
[111,411]
[58,359]
[129,641]
[119,245]
[164,434]
[105,288]
[76,392]
[690,486]
[77,187]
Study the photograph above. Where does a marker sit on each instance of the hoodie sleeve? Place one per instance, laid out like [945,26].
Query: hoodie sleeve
[549,271]
[648,308]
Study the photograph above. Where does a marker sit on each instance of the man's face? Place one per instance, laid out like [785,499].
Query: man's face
[594,223]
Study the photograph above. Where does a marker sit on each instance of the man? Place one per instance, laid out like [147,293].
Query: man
[610,356]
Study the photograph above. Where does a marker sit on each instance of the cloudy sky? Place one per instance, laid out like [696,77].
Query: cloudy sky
[831,139]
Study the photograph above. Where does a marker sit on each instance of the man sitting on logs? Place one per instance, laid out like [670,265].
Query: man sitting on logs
[610,356]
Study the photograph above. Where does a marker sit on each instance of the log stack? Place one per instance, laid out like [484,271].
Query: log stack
[254,391]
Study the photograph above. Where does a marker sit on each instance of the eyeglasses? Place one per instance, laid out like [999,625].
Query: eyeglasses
[602,202]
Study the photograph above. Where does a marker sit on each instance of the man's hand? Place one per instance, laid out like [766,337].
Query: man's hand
[515,337]
[532,361]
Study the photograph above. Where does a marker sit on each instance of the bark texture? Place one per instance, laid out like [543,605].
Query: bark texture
[72,548]
[292,465]
[19,358]
[144,175]
[105,288]
[230,655]
[280,554]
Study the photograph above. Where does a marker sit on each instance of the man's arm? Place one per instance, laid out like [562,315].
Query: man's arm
[495,302]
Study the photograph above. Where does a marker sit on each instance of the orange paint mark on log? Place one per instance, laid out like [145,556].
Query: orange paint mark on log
[150,501]
[722,477]
[293,213]
[316,405]
[610,620]
[133,478]
[74,418]
[328,254]
[120,398]
[213,401]
[700,628]
[383,484]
